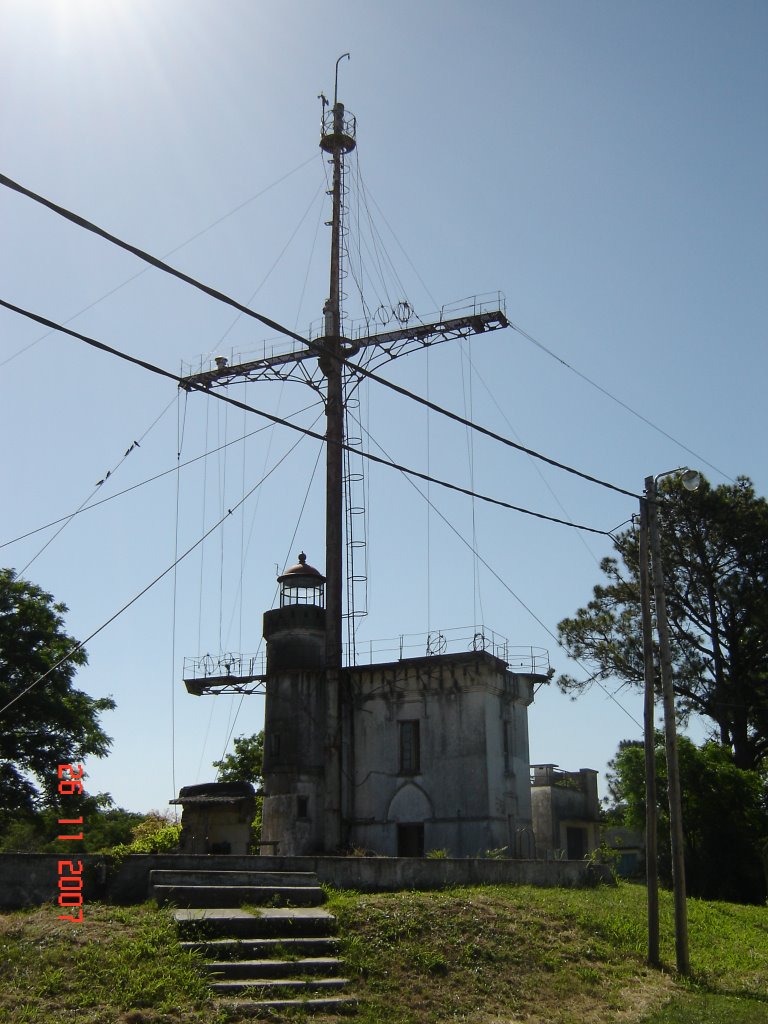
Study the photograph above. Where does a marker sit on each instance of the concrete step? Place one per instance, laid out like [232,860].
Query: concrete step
[268,1007]
[247,949]
[237,895]
[301,974]
[279,987]
[258,878]
[208,923]
[252,969]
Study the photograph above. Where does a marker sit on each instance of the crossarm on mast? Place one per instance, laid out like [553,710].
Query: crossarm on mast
[392,343]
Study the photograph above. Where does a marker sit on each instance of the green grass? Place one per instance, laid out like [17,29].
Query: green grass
[122,964]
[495,955]
[490,955]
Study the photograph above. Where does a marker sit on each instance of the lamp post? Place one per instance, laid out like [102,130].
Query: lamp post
[649,746]
[649,529]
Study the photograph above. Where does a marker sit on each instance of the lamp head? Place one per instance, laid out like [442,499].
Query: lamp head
[691,480]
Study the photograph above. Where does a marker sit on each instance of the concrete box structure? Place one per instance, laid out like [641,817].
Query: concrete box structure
[434,755]
[216,818]
[566,811]
[438,750]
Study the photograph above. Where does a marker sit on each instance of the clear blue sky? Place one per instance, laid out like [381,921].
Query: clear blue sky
[603,164]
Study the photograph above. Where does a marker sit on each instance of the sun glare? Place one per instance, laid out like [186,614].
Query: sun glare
[87,20]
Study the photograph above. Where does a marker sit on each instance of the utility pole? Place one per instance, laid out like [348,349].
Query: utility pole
[649,744]
[670,736]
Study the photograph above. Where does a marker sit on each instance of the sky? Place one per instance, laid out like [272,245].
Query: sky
[601,164]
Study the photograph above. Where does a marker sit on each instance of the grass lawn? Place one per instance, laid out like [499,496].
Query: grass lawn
[494,955]
[480,955]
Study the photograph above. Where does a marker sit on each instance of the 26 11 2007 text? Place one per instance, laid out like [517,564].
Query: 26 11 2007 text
[71,871]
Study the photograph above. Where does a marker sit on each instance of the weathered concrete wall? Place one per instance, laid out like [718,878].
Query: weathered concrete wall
[30,879]
[471,792]
[294,733]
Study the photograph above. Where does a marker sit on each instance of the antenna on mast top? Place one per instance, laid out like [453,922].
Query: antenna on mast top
[336,82]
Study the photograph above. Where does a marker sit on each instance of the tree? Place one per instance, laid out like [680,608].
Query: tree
[725,824]
[37,831]
[52,723]
[246,763]
[715,555]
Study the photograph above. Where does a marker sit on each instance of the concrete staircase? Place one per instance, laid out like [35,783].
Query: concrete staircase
[280,954]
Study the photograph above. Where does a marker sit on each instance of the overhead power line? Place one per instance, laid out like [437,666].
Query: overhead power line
[313,345]
[618,401]
[549,352]
[87,225]
[149,480]
[144,364]
[171,252]
[472,546]
[180,558]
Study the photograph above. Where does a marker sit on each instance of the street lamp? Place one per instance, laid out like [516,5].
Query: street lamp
[649,746]
[649,529]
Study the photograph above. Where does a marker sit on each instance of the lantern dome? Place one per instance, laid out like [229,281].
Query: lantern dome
[301,584]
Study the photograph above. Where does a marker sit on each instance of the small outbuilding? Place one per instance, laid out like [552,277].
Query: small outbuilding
[566,811]
[216,817]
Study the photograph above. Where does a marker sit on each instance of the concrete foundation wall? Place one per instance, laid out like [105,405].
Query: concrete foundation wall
[31,879]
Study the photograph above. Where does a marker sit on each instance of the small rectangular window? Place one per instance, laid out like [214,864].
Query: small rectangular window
[302,806]
[410,752]
[274,744]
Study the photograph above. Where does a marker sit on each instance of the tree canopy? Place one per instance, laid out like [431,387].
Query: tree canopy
[715,555]
[53,723]
[245,764]
[37,832]
[725,825]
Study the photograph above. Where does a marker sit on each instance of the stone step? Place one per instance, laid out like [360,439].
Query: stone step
[268,1007]
[237,895]
[208,923]
[257,878]
[231,949]
[242,969]
[276,987]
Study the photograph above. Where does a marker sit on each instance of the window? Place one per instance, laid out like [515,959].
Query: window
[505,740]
[302,806]
[274,744]
[410,753]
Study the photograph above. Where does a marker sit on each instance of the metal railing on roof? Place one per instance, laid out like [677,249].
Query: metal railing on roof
[525,660]
[522,659]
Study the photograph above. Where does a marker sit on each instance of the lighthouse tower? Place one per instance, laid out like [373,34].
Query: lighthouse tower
[294,717]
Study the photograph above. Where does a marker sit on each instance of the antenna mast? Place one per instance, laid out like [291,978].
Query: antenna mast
[337,139]
[239,673]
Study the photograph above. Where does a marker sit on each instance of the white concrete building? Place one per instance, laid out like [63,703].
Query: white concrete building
[433,750]
[438,756]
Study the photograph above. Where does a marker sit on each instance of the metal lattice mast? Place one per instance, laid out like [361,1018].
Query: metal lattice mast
[330,349]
